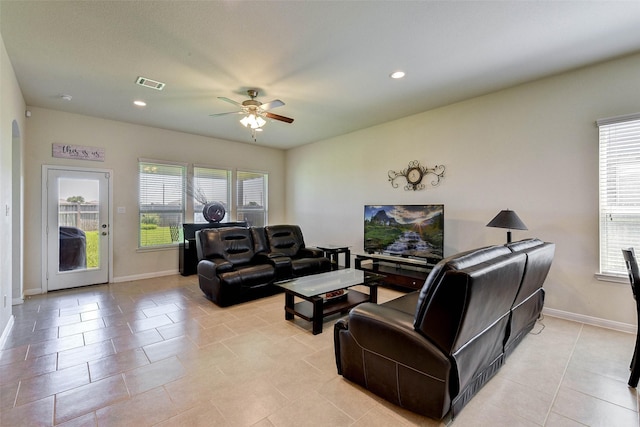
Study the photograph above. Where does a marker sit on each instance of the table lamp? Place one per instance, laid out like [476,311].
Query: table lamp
[507,219]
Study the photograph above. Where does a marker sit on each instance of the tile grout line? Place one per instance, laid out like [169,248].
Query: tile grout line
[564,372]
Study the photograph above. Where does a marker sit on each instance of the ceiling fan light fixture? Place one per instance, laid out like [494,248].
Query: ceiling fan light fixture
[253,121]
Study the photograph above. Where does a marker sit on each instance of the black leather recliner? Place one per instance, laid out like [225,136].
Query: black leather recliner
[230,270]
[287,241]
[430,351]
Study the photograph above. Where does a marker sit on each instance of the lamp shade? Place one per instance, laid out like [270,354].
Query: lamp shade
[507,219]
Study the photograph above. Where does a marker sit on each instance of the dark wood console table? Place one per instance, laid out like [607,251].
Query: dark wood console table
[401,272]
[188,255]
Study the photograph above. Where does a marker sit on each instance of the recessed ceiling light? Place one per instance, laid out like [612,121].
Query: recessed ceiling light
[140,103]
[66,97]
[397,75]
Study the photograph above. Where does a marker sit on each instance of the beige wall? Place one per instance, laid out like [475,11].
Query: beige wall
[532,148]
[124,143]
[11,133]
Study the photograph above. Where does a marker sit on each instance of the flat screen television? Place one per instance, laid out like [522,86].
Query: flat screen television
[409,231]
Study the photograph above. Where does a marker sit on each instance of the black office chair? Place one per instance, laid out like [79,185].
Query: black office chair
[634,277]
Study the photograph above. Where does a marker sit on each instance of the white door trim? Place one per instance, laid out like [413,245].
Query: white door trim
[44,203]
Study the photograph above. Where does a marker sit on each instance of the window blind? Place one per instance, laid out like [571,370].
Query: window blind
[619,191]
[251,197]
[161,202]
[213,186]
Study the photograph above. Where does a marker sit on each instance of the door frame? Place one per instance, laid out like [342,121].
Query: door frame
[44,283]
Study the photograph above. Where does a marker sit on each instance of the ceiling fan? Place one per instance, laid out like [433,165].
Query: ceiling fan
[255,111]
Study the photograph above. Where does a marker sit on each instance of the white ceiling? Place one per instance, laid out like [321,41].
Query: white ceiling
[329,61]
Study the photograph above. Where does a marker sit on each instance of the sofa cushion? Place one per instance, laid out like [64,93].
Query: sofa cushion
[284,239]
[249,277]
[233,244]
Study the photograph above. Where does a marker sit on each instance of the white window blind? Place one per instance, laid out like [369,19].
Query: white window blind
[619,191]
[161,202]
[210,185]
[251,197]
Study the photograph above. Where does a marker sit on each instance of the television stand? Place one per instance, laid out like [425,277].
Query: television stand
[409,273]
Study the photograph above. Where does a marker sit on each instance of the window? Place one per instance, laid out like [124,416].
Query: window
[619,190]
[251,198]
[161,202]
[210,185]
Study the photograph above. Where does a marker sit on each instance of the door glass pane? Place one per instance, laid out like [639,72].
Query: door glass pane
[78,223]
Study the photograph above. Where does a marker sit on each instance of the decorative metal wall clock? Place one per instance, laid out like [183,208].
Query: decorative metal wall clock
[414,173]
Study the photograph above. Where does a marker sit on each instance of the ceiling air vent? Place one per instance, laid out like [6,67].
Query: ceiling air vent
[143,81]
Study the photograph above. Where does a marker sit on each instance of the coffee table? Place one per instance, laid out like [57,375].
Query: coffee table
[313,290]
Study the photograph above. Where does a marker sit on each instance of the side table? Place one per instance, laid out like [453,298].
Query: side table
[332,252]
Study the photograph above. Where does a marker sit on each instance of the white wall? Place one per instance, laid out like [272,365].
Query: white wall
[531,148]
[124,143]
[11,123]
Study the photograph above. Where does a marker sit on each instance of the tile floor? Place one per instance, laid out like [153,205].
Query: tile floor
[157,353]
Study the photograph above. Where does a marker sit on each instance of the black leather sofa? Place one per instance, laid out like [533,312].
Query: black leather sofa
[238,263]
[432,350]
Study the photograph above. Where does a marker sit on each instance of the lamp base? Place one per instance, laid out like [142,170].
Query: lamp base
[508,236]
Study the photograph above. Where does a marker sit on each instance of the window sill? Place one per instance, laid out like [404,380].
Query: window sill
[158,248]
[612,278]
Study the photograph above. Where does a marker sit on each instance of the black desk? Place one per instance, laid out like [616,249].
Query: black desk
[188,255]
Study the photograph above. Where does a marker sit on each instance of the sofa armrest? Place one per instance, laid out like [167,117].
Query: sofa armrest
[310,253]
[210,268]
[390,333]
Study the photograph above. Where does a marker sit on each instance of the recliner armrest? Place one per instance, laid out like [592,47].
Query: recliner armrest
[281,263]
[310,253]
[222,265]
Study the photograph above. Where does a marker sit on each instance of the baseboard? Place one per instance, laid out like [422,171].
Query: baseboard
[7,330]
[144,276]
[17,301]
[29,292]
[589,320]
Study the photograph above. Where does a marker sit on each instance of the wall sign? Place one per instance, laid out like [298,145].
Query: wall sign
[67,151]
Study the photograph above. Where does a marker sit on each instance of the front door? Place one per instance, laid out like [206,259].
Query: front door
[77,227]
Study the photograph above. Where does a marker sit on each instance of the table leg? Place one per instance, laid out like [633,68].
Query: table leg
[373,293]
[334,260]
[317,316]
[347,258]
[288,306]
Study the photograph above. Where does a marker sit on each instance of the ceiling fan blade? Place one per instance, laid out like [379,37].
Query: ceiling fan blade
[273,104]
[278,117]
[230,100]
[224,114]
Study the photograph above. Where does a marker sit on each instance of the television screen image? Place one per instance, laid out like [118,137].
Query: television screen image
[410,231]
